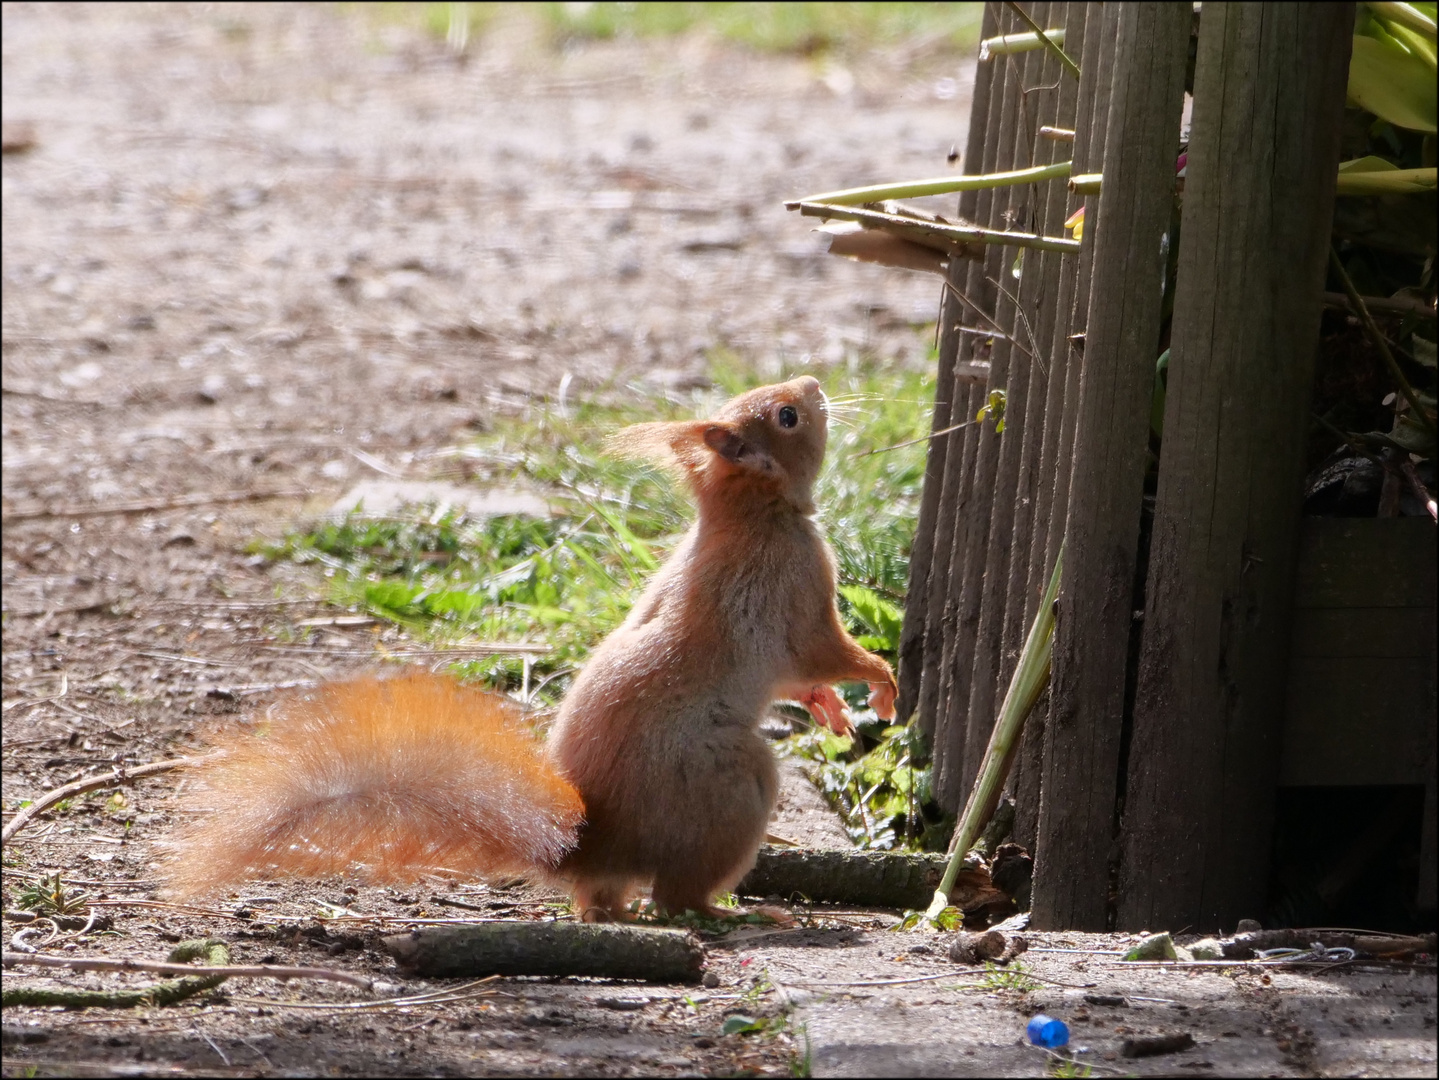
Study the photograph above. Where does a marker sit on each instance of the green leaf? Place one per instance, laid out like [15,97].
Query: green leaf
[877,613]
[1156,402]
[739,1024]
[1367,164]
[1392,82]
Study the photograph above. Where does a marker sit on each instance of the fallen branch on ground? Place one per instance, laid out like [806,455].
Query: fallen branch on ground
[165,993]
[253,971]
[1244,946]
[597,950]
[867,878]
[120,774]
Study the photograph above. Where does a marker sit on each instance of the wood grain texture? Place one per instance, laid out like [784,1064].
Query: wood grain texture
[555,949]
[929,556]
[1076,826]
[973,644]
[1204,759]
[980,156]
[1085,29]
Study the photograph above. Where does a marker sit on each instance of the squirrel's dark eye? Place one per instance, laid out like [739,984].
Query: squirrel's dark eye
[788,417]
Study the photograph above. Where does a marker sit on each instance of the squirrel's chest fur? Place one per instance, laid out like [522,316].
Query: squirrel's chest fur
[688,675]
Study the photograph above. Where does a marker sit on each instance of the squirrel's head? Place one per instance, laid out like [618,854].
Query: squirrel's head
[770,440]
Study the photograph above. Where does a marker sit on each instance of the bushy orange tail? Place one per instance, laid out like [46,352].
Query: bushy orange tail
[392,777]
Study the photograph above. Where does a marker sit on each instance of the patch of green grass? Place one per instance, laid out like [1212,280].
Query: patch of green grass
[794,28]
[49,896]
[878,792]
[1014,977]
[804,28]
[569,580]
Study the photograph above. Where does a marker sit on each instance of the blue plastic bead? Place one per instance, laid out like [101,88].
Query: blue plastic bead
[1047,1032]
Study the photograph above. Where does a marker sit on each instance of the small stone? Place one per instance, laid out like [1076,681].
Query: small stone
[1207,949]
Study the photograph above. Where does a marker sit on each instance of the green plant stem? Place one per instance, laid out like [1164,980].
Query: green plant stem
[1009,44]
[1068,64]
[1405,15]
[940,185]
[1031,676]
[1387,182]
[927,232]
[1357,303]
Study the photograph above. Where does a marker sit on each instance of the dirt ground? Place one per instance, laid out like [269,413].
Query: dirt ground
[257,254]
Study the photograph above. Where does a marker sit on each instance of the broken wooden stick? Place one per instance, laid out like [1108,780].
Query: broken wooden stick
[597,950]
[117,775]
[865,878]
[1244,946]
[251,971]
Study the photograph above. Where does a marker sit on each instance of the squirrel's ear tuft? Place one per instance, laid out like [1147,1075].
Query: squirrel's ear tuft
[652,441]
[676,443]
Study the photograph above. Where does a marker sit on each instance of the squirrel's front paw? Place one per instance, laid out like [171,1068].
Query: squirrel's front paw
[881,699]
[828,709]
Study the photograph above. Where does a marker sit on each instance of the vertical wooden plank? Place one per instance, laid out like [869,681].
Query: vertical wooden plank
[1019,311]
[955,773]
[1040,298]
[1076,826]
[1082,42]
[1090,157]
[1204,759]
[954,348]
[941,663]
[927,574]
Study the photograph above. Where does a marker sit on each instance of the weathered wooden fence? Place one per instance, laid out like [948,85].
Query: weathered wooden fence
[1147,791]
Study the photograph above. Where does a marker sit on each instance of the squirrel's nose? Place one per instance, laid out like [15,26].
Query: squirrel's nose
[807,384]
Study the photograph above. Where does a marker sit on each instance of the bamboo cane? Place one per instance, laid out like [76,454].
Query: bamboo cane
[1031,676]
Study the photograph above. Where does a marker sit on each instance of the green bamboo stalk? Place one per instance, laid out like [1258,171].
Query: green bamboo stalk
[1031,676]
[1005,44]
[940,185]
[1047,41]
[927,232]
[1351,182]
[1387,182]
[1357,303]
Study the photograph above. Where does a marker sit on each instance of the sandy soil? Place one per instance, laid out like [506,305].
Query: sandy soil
[259,253]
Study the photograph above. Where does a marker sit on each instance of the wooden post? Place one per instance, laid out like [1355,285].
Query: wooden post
[948,651]
[1204,758]
[982,157]
[929,558]
[1077,811]
[1096,60]
[1018,367]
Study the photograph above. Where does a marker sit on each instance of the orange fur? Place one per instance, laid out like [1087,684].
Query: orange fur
[655,773]
[659,732]
[397,776]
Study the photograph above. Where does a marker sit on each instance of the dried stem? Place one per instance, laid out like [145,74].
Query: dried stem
[1044,39]
[1357,303]
[118,775]
[941,185]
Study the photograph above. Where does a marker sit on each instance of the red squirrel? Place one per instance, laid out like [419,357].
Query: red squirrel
[654,772]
